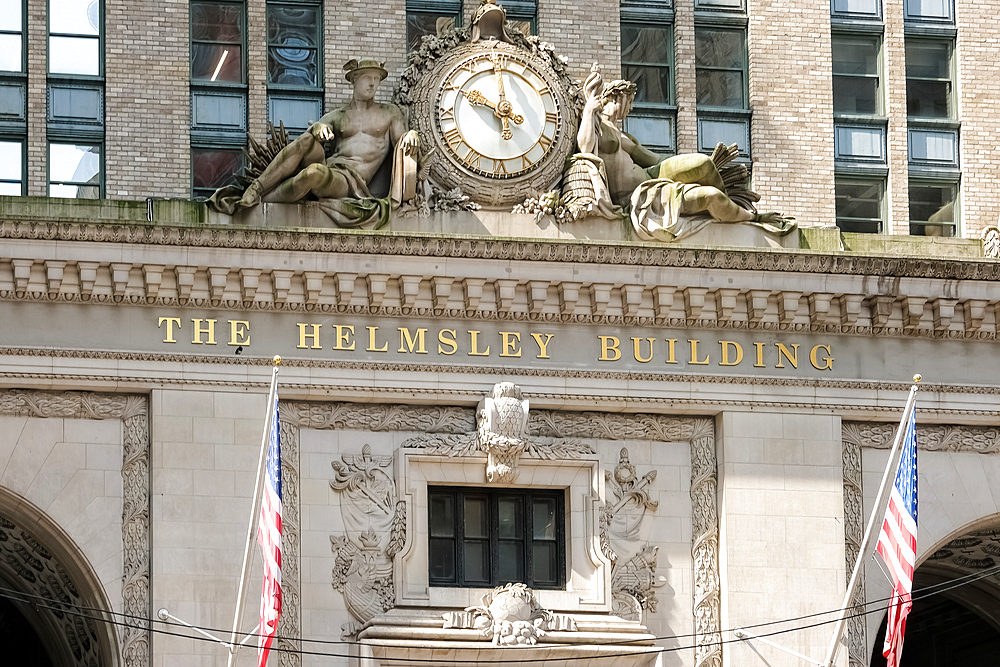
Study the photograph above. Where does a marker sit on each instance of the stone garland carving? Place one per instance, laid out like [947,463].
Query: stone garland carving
[511,615]
[289,625]
[372,515]
[633,573]
[932,437]
[28,559]
[857,643]
[700,433]
[501,249]
[133,411]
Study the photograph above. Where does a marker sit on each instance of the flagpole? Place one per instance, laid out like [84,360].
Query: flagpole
[878,511]
[258,492]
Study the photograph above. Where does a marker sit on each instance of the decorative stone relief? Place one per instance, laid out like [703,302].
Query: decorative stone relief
[511,616]
[501,434]
[376,525]
[133,412]
[991,242]
[447,428]
[857,644]
[289,625]
[633,578]
[931,437]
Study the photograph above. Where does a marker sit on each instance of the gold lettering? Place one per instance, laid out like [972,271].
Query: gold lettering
[551,117]
[510,340]
[793,356]
[314,335]
[199,330]
[671,351]
[725,353]
[449,341]
[372,333]
[343,337]
[636,345]
[239,332]
[827,360]
[694,353]
[474,352]
[760,355]
[542,345]
[408,342]
[171,323]
[609,344]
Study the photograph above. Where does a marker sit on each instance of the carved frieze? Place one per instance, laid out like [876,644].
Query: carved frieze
[511,616]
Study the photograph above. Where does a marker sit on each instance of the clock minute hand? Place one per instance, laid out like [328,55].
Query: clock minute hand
[503,110]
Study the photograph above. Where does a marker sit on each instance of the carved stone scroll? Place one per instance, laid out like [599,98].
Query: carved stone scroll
[857,643]
[134,642]
[290,623]
[705,545]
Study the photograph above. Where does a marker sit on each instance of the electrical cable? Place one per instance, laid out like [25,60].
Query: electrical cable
[935,589]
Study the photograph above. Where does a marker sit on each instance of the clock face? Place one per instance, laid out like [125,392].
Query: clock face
[497,115]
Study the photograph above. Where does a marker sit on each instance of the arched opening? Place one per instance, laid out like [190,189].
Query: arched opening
[955,619]
[48,594]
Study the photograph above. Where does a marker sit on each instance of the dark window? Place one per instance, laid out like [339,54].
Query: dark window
[430,17]
[217,38]
[856,75]
[293,40]
[859,205]
[928,78]
[720,63]
[933,208]
[484,538]
[212,168]
[647,60]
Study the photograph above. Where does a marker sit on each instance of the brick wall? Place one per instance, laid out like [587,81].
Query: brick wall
[147,100]
[357,29]
[257,69]
[897,203]
[684,76]
[978,54]
[791,96]
[583,32]
[37,103]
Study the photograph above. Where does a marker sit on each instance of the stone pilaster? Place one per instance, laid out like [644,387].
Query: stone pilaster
[897,196]
[684,77]
[257,69]
[37,173]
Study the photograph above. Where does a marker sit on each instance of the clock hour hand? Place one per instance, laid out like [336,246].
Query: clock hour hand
[503,110]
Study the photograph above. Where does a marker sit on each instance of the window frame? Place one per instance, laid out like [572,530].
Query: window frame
[492,494]
[949,43]
[879,75]
[930,181]
[440,8]
[4,138]
[875,16]
[199,193]
[917,18]
[862,179]
[99,77]
[319,48]
[727,22]
[73,141]
[243,46]
[658,16]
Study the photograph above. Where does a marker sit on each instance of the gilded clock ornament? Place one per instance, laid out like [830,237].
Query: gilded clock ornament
[498,109]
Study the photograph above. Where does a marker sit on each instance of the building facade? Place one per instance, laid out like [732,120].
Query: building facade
[624,450]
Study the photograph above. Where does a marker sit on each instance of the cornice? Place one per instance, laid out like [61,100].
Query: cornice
[580,252]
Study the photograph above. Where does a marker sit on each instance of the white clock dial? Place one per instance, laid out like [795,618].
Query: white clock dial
[497,115]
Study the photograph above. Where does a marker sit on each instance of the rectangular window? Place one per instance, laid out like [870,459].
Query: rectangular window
[856,88]
[293,41]
[212,168]
[217,38]
[720,68]
[430,17]
[11,36]
[928,78]
[933,208]
[856,9]
[647,60]
[75,37]
[522,15]
[860,143]
[75,170]
[482,538]
[938,11]
[11,168]
[859,204]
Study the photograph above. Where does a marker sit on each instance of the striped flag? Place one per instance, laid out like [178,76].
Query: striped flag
[269,539]
[897,543]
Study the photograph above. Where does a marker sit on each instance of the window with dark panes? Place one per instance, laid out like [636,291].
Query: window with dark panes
[430,17]
[484,538]
[217,37]
[218,92]
[721,87]
[928,78]
[856,75]
[647,60]
[294,64]
[522,15]
[859,204]
[933,208]
[75,99]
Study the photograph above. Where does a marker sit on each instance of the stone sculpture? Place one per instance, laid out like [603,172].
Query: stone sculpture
[670,198]
[365,133]
[511,616]
[503,423]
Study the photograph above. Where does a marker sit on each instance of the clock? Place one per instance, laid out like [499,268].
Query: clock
[497,114]
[500,118]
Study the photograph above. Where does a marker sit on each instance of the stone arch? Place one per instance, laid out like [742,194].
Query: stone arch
[53,585]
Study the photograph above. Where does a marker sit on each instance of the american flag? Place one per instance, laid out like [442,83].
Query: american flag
[897,543]
[269,538]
